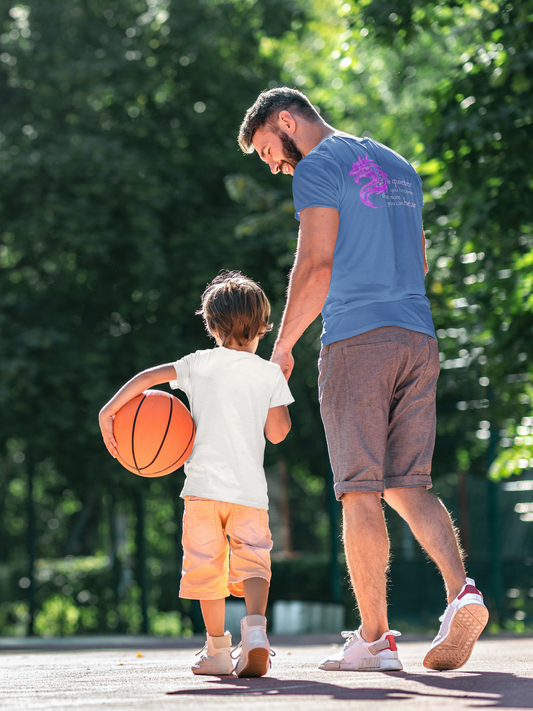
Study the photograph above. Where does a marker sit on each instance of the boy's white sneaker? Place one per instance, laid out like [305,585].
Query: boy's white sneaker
[215,657]
[463,621]
[254,658]
[358,655]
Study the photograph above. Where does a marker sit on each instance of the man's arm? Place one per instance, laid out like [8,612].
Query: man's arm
[424,253]
[309,280]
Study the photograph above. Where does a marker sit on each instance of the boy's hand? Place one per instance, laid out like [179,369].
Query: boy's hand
[106,427]
[135,386]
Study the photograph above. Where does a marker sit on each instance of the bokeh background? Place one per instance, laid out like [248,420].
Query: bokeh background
[123,192]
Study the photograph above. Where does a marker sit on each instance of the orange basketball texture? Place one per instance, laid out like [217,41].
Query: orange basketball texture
[154,433]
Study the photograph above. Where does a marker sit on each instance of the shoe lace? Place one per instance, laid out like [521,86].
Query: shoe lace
[348,634]
[204,649]
[237,649]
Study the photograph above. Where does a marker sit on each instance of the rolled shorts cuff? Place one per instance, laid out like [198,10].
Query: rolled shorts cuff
[236,587]
[408,482]
[195,595]
[357,487]
[374,487]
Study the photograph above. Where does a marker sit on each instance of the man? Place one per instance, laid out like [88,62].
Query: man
[361,262]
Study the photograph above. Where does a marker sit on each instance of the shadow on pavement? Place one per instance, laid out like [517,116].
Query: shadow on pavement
[496,689]
[509,690]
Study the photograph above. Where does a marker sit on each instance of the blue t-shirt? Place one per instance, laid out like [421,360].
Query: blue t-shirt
[378,265]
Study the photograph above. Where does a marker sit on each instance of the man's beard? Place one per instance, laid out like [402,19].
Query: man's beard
[291,154]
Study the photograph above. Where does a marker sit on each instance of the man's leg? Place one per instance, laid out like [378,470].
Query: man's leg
[372,647]
[367,551]
[466,615]
[431,525]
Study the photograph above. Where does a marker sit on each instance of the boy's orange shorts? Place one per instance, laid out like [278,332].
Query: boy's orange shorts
[214,568]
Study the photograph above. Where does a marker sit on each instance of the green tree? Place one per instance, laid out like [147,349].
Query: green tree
[118,129]
[119,124]
[447,86]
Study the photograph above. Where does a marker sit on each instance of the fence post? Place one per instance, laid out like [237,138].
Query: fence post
[333,512]
[494,529]
[115,562]
[141,554]
[31,546]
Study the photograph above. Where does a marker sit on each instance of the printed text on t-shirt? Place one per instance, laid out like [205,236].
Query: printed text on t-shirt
[379,184]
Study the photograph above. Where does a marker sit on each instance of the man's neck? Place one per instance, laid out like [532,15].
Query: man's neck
[315,132]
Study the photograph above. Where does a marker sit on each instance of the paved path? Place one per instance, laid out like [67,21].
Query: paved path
[498,675]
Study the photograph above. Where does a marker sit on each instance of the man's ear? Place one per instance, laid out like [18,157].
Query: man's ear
[287,121]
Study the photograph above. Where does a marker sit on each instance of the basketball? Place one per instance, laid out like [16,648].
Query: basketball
[154,433]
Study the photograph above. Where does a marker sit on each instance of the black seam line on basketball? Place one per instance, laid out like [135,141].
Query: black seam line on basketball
[133,435]
[177,460]
[164,437]
[124,462]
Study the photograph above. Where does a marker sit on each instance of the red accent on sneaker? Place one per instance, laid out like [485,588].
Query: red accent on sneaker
[469,589]
[392,643]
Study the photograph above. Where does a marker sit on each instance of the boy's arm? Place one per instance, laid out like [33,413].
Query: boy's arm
[135,386]
[278,424]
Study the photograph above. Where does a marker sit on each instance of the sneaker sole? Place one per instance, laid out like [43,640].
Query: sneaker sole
[211,671]
[258,661]
[385,665]
[455,650]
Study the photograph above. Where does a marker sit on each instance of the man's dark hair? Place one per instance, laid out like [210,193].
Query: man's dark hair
[266,110]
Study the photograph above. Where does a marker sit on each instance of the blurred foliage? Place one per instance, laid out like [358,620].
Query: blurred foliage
[446,85]
[122,193]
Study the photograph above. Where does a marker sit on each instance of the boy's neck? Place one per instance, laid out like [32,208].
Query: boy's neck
[234,346]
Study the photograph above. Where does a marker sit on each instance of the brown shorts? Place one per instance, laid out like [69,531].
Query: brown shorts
[377,401]
[223,545]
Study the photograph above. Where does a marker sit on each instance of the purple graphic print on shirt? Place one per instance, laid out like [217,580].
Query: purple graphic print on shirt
[379,183]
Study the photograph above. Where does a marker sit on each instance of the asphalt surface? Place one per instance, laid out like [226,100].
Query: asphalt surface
[154,675]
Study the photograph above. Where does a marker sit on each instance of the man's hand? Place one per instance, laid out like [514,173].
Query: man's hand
[284,359]
[106,427]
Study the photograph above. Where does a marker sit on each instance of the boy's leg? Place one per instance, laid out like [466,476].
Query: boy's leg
[250,544]
[215,657]
[256,595]
[214,612]
[204,578]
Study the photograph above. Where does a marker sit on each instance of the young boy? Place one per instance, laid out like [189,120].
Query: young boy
[236,398]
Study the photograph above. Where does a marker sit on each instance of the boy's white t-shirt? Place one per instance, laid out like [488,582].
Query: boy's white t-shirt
[230,393]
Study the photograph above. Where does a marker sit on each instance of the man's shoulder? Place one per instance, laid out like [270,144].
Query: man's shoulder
[340,147]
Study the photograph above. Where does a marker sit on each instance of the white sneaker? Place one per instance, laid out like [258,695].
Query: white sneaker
[358,655]
[215,657]
[463,621]
[254,659]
